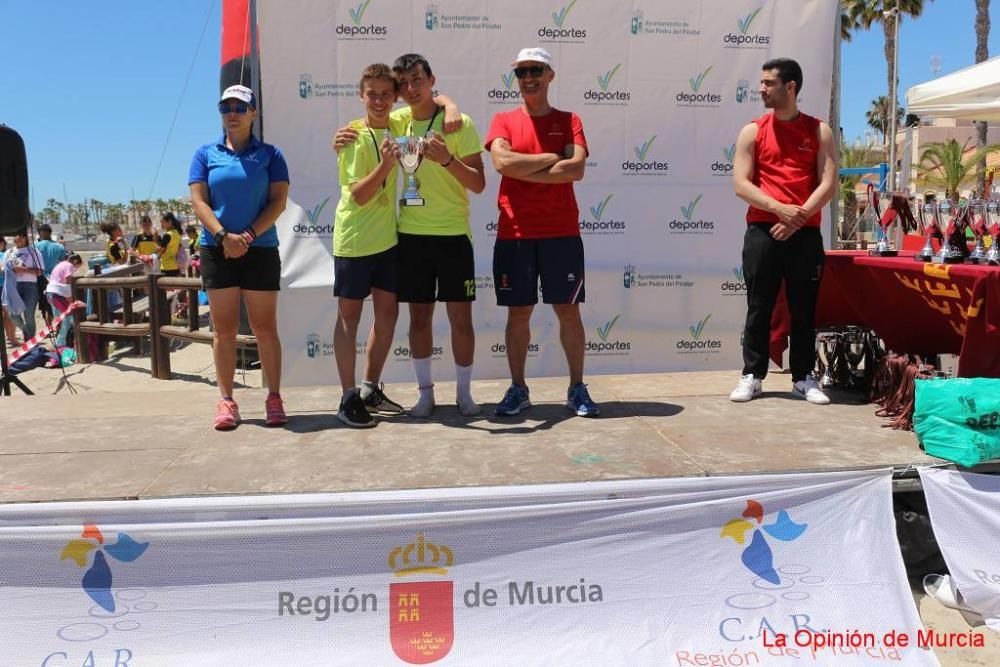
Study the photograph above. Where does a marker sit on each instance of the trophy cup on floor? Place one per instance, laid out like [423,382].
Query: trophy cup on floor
[980,228]
[929,225]
[951,253]
[410,148]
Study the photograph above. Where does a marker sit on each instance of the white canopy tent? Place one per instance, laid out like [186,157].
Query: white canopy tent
[973,93]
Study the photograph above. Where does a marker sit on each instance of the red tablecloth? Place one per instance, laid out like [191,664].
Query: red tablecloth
[915,307]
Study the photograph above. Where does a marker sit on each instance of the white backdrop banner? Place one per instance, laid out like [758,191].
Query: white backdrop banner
[965,514]
[754,570]
[663,87]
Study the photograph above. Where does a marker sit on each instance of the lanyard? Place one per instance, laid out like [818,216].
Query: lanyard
[378,153]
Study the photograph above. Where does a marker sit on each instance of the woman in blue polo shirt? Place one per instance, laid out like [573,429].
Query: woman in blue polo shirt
[238,189]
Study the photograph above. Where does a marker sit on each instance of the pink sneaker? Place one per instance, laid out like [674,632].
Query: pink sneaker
[227,415]
[275,411]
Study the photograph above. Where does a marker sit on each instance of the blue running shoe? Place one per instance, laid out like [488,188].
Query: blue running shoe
[515,400]
[578,400]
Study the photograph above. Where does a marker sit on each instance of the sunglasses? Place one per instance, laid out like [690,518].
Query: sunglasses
[236,107]
[534,70]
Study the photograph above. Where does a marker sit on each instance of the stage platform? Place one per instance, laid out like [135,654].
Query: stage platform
[99,445]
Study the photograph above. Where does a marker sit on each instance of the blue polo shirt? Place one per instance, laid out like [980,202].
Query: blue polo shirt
[51,252]
[238,184]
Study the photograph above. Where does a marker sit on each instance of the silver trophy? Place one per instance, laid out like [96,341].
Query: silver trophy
[980,228]
[929,224]
[410,149]
[949,254]
[882,222]
[993,226]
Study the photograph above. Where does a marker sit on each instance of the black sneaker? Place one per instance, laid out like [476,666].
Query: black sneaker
[352,412]
[377,401]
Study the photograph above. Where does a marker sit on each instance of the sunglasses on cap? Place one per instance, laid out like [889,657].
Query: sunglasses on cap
[533,70]
[233,107]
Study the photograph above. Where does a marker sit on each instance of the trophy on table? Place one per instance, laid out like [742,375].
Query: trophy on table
[898,212]
[993,222]
[978,211]
[954,233]
[411,149]
[928,213]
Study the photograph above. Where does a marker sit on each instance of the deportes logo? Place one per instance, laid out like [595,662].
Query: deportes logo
[737,288]
[745,94]
[689,224]
[508,91]
[598,225]
[357,29]
[606,94]
[643,164]
[608,346]
[699,95]
[697,344]
[314,226]
[725,166]
[563,31]
[745,38]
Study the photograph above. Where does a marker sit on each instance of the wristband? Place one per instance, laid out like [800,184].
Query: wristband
[248,237]
[450,160]
[220,236]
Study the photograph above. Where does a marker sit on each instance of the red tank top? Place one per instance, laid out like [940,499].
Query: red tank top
[785,154]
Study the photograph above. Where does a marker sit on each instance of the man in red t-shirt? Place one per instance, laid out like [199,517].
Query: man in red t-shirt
[785,168]
[539,152]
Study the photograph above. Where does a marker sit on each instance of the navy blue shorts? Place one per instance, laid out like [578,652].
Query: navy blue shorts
[436,268]
[354,277]
[518,264]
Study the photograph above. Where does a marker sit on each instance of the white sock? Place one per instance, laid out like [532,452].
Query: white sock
[425,403]
[463,391]
[367,387]
[422,369]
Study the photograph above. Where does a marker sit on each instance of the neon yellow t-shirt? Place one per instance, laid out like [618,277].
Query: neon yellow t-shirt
[168,260]
[446,201]
[360,231]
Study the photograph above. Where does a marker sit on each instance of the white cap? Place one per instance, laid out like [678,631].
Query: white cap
[241,93]
[536,54]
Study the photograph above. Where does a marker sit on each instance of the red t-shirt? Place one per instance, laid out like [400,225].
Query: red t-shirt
[785,154]
[537,210]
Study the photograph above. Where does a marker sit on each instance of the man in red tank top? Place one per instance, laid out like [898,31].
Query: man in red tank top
[785,168]
[539,152]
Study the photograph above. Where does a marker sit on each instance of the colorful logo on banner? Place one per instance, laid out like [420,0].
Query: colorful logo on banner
[737,288]
[606,94]
[633,279]
[357,29]
[97,580]
[688,223]
[600,225]
[435,20]
[698,342]
[314,228]
[644,165]
[745,38]
[745,94]
[421,613]
[757,556]
[700,95]
[608,345]
[308,89]
[305,86]
[562,31]
[507,93]
[725,167]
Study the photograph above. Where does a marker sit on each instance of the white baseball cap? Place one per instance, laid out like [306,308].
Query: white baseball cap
[241,93]
[536,54]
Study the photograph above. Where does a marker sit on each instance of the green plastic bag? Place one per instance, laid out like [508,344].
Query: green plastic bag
[958,419]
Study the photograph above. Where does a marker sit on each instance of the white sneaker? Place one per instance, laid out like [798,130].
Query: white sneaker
[747,388]
[810,390]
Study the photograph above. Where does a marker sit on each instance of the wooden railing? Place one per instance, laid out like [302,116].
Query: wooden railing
[158,326]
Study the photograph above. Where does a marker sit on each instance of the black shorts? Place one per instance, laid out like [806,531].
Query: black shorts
[258,270]
[43,304]
[519,263]
[436,268]
[354,277]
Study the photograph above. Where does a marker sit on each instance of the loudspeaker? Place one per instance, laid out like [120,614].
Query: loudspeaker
[14,214]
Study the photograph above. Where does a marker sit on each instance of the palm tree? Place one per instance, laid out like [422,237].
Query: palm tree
[865,13]
[946,166]
[982,53]
[853,157]
[878,116]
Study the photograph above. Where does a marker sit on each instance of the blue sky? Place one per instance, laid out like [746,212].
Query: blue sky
[93,87]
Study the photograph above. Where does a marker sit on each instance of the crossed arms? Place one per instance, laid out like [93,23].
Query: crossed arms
[541,167]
